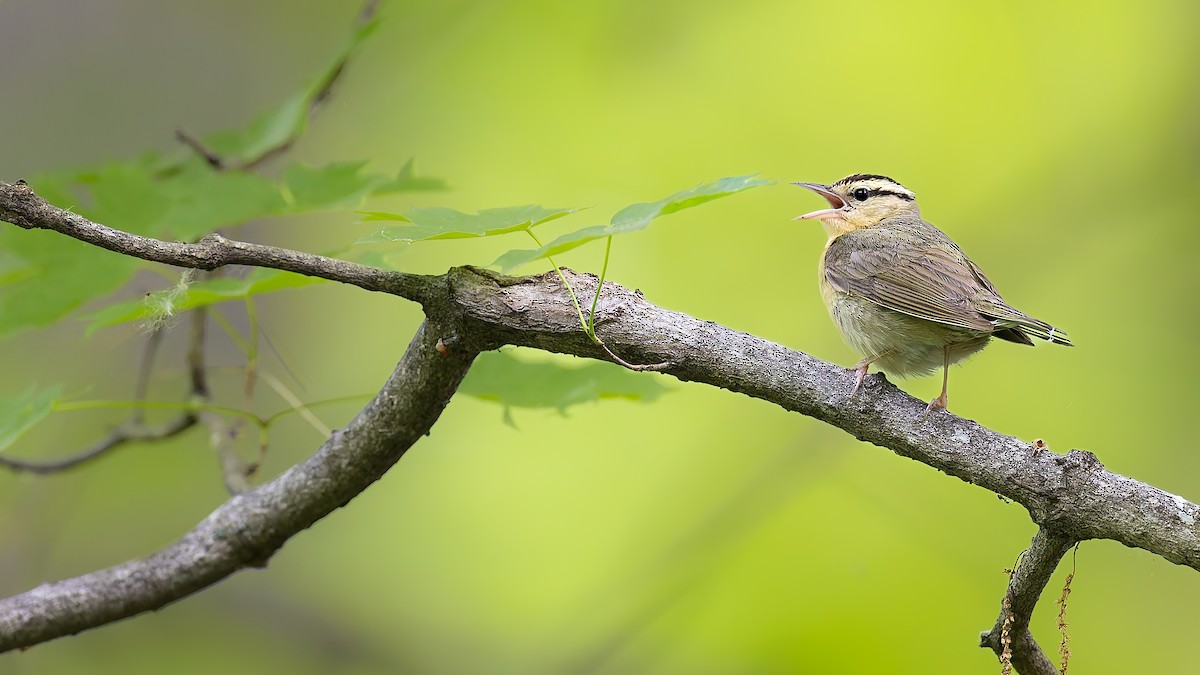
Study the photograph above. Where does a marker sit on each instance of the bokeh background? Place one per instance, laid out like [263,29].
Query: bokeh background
[706,532]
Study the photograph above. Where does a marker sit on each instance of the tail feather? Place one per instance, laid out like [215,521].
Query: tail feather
[1027,326]
[1016,326]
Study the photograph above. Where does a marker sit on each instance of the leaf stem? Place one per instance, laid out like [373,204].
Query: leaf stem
[252,341]
[304,408]
[93,404]
[599,287]
[226,325]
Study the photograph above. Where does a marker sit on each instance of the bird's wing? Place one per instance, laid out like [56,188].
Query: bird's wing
[926,276]
[1016,325]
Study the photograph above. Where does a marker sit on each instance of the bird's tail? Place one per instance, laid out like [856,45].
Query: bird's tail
[1016,326]
[1043,330]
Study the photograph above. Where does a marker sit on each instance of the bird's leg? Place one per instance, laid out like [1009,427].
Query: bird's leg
[939,403]
[860,370]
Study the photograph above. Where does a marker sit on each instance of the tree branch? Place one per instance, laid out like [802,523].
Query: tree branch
[1071,495]
[247,530]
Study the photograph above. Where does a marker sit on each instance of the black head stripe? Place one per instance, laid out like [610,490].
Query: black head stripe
[902,192]
[865,176]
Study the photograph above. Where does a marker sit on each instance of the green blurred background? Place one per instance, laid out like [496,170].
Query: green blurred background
[707,532]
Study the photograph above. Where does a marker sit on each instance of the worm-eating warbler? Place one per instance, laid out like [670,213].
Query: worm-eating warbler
[901,292]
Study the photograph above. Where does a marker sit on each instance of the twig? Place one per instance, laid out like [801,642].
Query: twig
[326,87]
[115,439]
[235,471]
[133,430]
[197,146]
[145,370]
[652,367]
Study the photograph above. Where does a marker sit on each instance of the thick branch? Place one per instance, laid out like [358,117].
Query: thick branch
[248,529]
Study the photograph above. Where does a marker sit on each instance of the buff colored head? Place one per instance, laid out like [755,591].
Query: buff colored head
[860,200]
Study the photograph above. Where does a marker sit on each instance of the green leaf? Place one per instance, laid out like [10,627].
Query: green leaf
[344,184]
[204,200]
[59,275]
[407,180]
[388,257]
[56,187]
[14,268]
[124,196]
[442,223]
[45,275]
[21,412]
[340,183]
[633,218]
[517,383]
[162,304]
[192,200]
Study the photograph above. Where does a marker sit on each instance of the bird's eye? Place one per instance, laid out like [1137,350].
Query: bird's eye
[860,194]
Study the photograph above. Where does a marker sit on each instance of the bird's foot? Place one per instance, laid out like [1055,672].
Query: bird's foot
[860,371]
[938,403]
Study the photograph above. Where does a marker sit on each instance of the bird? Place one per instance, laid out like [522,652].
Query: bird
[901,292]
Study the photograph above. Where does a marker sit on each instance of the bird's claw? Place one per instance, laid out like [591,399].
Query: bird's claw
[860,372]
[938,403]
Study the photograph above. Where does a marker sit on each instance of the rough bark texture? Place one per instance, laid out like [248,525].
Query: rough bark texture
[1071,497]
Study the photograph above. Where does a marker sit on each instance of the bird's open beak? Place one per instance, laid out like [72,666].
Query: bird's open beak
[837,205]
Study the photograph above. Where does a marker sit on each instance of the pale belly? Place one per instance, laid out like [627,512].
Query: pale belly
[899,344]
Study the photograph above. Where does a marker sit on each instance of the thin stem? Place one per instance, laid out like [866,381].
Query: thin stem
[145,370]
[589,324]
[656,367]
[226,325]
[93,404]
[195,354]
[599,286]
[296,404]
[271,419]
[252,340]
